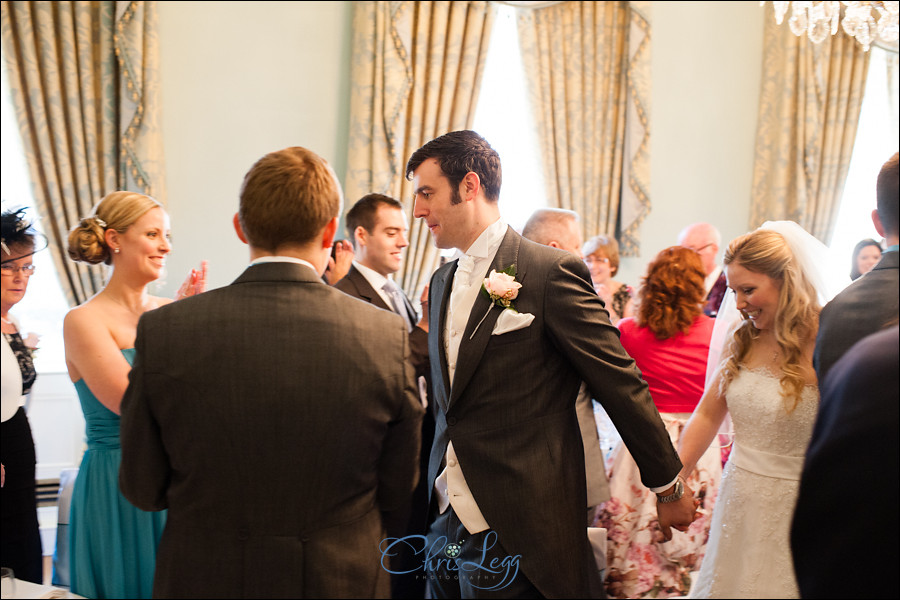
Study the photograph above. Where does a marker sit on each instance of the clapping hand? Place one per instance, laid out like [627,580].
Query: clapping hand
[195,283]
[423,299]
[339,264]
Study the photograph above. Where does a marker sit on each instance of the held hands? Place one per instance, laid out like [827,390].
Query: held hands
[195,283]
[679,514]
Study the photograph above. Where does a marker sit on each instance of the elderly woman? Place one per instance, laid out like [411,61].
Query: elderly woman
[20,537]
[601,255]
[669,341]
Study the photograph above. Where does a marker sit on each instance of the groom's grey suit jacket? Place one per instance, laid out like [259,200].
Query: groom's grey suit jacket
[277,419]
[510,411]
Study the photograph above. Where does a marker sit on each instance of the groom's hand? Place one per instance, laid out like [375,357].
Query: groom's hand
[679,514]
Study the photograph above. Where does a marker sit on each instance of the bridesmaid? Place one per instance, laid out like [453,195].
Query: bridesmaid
[112,545]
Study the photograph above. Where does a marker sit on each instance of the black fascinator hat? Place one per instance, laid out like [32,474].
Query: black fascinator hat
[16,229]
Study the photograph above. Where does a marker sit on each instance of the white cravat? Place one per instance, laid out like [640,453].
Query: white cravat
[451,486]
[398,302]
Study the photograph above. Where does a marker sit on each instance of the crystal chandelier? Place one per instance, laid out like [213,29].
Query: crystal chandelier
[868,22]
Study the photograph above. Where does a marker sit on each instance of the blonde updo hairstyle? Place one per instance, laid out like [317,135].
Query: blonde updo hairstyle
[116,211]
[797,319]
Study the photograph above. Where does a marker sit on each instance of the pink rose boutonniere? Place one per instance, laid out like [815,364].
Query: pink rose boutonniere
[502,288]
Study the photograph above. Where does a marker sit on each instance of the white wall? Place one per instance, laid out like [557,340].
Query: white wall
[706,69]
[240,79]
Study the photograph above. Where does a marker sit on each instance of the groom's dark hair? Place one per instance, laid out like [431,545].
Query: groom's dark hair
[458,153]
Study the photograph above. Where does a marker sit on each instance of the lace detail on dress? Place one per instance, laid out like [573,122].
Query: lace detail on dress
[748,555]
[26,362]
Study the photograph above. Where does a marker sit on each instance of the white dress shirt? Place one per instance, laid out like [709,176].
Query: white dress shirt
[375,279]
[451,486]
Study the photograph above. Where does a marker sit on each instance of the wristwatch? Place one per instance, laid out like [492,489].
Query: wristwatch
[674,496]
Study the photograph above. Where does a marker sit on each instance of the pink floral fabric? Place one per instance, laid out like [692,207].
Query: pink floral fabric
[638,565]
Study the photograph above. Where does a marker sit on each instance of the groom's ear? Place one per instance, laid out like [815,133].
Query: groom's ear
[470,185]
[238,229]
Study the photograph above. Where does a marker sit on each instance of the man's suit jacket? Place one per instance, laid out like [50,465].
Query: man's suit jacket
[411,584]
[867,305]
[844,533]
[715,295]
[510,411]
[355,284]
[276,419]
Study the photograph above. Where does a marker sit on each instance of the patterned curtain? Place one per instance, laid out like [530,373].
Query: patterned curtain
[588,68]
[84,78]
[416,72]
[809,109]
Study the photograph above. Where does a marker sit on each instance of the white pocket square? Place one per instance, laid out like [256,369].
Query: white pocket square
[511,320]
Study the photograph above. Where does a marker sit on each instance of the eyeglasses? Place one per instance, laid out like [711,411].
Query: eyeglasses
[701,248]
[593,259]
[10,270]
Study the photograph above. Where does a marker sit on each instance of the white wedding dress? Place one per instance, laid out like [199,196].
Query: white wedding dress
[748,554]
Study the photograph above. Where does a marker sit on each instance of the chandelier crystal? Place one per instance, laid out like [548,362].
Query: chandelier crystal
[868,22]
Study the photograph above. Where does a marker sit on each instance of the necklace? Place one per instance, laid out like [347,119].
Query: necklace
[5,321]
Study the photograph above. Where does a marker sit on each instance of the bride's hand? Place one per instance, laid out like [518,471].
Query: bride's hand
[195,283]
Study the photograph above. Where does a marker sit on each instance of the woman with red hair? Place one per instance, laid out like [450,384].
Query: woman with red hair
[669,341]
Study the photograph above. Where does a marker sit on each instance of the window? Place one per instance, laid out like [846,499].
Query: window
[44,306]
[876,141]
[501,117]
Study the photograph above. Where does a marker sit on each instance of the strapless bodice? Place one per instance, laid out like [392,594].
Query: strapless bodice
[101,424]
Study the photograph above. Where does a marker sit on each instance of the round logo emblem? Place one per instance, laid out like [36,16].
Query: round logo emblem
[452,550]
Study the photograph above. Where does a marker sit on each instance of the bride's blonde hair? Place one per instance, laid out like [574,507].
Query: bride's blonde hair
[797,317]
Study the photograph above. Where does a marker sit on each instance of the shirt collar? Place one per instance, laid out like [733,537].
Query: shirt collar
[486,244]
[892,248]
[375,279]
[283,259]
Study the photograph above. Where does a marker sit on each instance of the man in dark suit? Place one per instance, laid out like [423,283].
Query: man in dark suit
[507,465]
[844,533]
[377,227]
[276,418]
[558,228]
[871,302]
[705,240]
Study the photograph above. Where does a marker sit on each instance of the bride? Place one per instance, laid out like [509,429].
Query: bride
[766,382]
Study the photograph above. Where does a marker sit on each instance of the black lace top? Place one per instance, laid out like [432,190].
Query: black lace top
[23,355]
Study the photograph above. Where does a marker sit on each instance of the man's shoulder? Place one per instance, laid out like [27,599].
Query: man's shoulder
[868,289]
[350,283]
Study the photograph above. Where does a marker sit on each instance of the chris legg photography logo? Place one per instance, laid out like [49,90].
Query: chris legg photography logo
[443,556]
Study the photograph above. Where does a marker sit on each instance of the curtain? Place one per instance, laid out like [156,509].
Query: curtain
[588,71]
[809,106]
[415,76]
[84,79]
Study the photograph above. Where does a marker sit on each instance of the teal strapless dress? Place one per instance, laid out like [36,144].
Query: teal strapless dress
[112,544]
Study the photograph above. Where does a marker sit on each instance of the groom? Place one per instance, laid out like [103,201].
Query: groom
[507,466]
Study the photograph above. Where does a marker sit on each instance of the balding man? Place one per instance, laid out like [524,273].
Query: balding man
[705,240]
[558,228]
